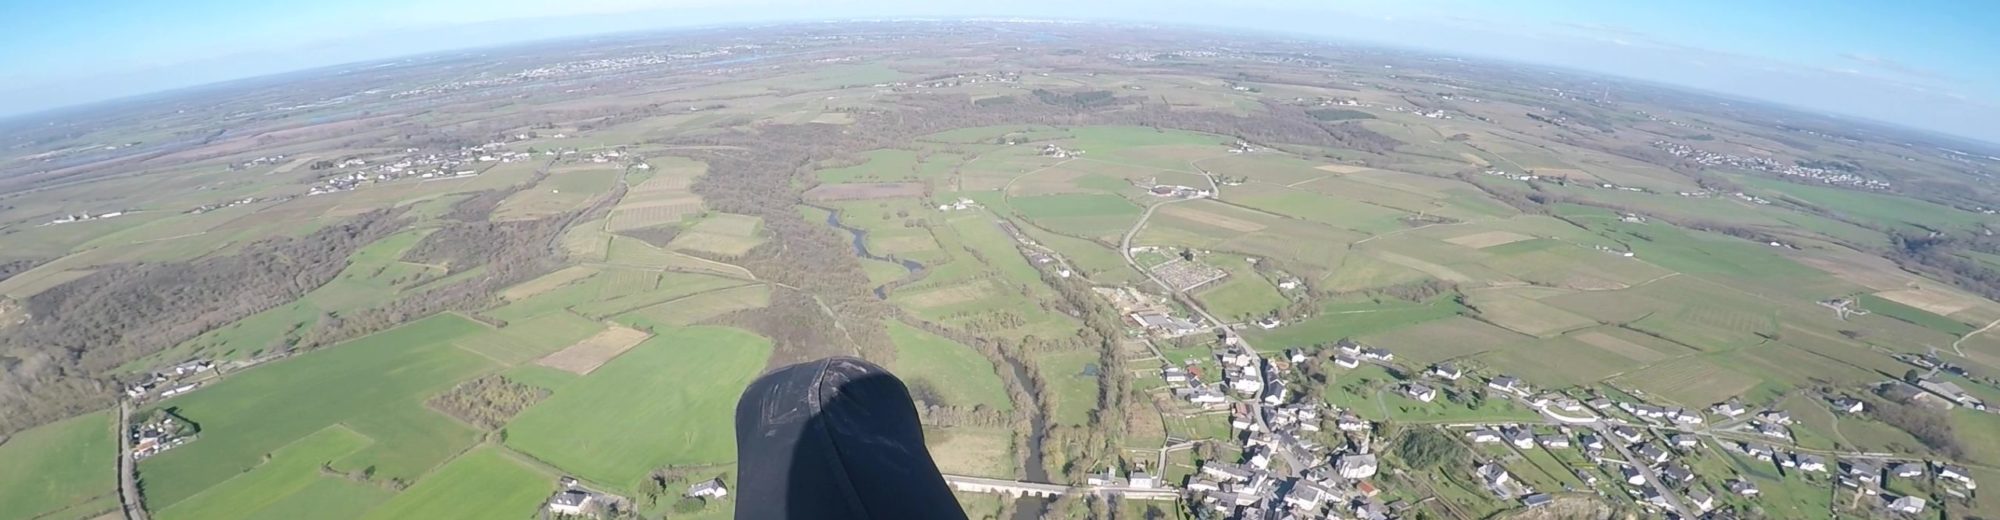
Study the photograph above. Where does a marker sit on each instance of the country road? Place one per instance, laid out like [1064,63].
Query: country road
[128,475]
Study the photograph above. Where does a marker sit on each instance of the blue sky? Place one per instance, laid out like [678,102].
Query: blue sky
[1923,63]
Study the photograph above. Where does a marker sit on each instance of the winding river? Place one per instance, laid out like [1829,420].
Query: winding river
[1025,508]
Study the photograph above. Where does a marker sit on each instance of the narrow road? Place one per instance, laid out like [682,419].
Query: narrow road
[1292,463]
[128,473]
[1969,335]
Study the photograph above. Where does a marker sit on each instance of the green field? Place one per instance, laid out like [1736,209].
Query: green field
[258,411]
[668,401]
[483,483]
[524,340]
[959,375]
[290,482]
[1075,394]
[1073,205]
[58,466]
[1244,293]
[1913,315]
[1354,320]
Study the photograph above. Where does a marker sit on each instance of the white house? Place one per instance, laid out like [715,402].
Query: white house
[1482,436]
[570,502]
[711,488]
[1908,505]
[1506,384]
[1346,361]
[1848,405]
[1632,475]
[1730,408]
[1447,371]
[1420,392]
[1356,466]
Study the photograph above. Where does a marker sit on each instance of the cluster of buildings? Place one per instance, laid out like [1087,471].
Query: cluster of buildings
[577,68]
[176,380]
[416,163]
[164,434]
[1283,472]
[1761,164]
[205,208]
[84,216]
[1149,313]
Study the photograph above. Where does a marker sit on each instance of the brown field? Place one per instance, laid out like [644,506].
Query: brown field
[653,212]
[1474,159]
[1934,300]
[594,351]
[863,191]
[966,451]
[1615,345]
[1690,382]
[548,282]
[1520,314]
[1343,168]
[953,295]
[1205,217]
[1488,239]
[1441,272]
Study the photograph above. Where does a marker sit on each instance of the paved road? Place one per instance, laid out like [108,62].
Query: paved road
[128,482]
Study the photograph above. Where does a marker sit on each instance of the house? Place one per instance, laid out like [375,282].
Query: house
[1348,422]
[1482,436]
[1521,438]
[711,488]
[1908,505]
[570,502]
[1628,433]
[1569,405]
[1144,480]
[1701,500]
[1592,442]
[1494,475]
[1537,500]
[1652,497]
[1296,355]
[1743,487]
[1269,322]
[1906,470]
[1589,478]
[1848,405]
[1507,384]
[1553,441]
[1959,474]
[1758,451]
[1598,403]
[1356,466]
[1260,459]
[1864,472]
[1226,472]
[1632,475]
[1539,401]
[1652,454]
[1376,354]
[1202,484]
[1683,440]
[1729,408]
[1449,371]
[1773,430]
[1677,472]
[1174,374]
[1247,385]
[1810,462]
[1347,346]
[1951,392]
[1683,416]
[1346,361]
[1420,392]
[1307,496]
[1775,416]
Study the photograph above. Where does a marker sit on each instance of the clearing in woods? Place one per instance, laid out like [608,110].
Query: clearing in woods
[585,356]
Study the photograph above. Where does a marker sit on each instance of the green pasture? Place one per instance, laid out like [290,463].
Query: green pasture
[483,483]
[58,466]
[255,412]
[668,401]
[959,375]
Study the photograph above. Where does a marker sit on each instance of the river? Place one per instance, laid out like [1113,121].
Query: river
[1025,508]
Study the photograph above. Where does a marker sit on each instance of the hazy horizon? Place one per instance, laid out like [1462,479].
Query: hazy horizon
[1930,77]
